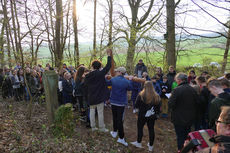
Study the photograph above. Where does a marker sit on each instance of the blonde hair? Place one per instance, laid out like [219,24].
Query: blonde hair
[149,95]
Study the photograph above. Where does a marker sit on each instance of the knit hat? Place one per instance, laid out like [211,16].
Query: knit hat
[121,69]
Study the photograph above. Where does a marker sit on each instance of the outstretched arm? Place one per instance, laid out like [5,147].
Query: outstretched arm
[109,63]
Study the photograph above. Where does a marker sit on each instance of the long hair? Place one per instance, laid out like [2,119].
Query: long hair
[149,95]
[79,73]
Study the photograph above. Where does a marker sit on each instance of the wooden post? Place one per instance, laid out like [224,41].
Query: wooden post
[50,81]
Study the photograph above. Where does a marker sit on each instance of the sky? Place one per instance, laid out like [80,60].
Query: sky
[195,19]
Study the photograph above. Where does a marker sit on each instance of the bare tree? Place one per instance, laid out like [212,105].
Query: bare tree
[138,26]
[75,27]
[2,42]
[170,34]
[225,7]
[225,58]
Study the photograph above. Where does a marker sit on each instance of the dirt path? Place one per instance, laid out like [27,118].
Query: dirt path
[17,134]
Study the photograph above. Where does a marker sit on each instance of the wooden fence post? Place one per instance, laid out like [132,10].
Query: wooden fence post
[50,81]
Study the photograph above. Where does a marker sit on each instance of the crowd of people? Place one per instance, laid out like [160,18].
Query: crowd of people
[192,101]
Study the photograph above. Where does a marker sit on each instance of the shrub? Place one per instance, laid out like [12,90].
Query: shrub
[63,121]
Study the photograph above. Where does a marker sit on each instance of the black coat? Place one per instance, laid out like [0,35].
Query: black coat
[95,82]
[222,99]
[183,104]
[143,108]
[140,67]
[67,91]
[170,78]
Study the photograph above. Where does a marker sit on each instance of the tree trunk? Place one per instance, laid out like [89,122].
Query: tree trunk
[110,23]
[7,31]
[2,44]
[58,52]
[15,31]
[225,60]
[170,35]
[8,48]
[76,44]
[94,29]
[131,51]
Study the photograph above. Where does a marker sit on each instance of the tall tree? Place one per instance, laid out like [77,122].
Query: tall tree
[6,20]
[138,26]
[94,30]
[170,34]
[223,6]
[58,25]
[110,4]
[225,58]
[2,41]
[75,27]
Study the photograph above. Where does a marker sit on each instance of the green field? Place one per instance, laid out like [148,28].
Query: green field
[201,51]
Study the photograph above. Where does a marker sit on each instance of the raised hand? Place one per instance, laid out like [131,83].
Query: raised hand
[109,52]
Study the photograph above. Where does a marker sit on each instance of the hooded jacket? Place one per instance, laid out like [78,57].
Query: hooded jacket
[97,91]
[140,67]
[222,99]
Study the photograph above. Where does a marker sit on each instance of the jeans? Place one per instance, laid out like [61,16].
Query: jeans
[140,125]
[118,115]
[100,112]
[181,134]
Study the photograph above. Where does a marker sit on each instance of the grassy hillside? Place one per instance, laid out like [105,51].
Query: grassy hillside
[201,51]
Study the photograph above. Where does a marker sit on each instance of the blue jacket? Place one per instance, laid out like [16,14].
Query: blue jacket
[157,88]
[120,86]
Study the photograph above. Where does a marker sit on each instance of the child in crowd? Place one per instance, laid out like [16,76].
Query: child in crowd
[225,84]
[156,85]
[174,85]
[67,89]
[146,76]
[165,90]
[16,85]
[159,74]
[191,76]
[22,83]
[148,103]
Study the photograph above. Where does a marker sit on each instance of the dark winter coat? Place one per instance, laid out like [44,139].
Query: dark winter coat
[96,85]
[227,90]
[183,103]
[67,92]
[78,88]
[170,78]
[222,145]
[1,80]
[222,99]
[204,100]
[140,67]
[33,84]
[143,108]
